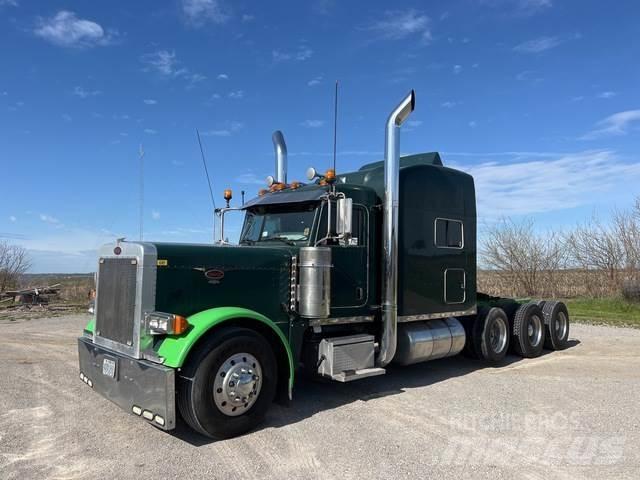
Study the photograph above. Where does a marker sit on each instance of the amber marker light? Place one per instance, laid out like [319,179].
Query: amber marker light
[279,186]
[294,185]
[180,324]
[330,176]
[228,194]
[262,191]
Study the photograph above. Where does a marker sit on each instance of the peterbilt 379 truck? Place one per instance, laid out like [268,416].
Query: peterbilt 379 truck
[338,278]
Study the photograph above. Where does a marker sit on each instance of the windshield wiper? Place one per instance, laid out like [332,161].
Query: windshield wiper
[247,242]
[282,239]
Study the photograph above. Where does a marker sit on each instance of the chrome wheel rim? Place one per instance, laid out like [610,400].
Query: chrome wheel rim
[534,330]
[237,384]
[498,336]
[562,324]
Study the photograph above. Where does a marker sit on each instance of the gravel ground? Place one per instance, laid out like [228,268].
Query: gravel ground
[570,414]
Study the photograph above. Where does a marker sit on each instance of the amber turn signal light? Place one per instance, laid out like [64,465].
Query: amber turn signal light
[180,324]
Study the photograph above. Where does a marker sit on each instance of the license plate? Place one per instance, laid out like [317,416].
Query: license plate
[109,367]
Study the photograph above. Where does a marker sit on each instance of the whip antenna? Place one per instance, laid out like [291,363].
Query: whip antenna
[206,171]
[141,156]
[335,125]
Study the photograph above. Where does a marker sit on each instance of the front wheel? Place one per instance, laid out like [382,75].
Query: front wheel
[228,384]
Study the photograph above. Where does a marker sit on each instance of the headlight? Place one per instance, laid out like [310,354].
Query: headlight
[160,323]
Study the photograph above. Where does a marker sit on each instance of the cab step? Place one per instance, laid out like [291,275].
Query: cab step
[350,375]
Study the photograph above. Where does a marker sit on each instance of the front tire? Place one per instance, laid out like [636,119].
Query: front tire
[228,384]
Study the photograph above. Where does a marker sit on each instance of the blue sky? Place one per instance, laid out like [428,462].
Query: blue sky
[538,99]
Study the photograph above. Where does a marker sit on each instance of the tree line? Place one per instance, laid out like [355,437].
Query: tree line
[597,258]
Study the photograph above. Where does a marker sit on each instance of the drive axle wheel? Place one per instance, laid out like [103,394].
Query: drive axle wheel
[490,335]
[528,330]
[228,384]
[556,320]
[493,341]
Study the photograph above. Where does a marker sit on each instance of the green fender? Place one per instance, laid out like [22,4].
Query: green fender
[175,349]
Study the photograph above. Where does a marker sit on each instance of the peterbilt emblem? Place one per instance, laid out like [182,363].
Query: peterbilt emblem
[214,274]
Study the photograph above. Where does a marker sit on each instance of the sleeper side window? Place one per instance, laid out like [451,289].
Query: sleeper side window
[449,233]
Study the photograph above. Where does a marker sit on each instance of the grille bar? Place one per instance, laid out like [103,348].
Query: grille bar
[116,299]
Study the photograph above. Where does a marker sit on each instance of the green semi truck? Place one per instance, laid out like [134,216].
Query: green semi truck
[338,278]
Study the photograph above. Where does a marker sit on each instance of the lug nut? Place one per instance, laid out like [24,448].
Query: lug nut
[232,384]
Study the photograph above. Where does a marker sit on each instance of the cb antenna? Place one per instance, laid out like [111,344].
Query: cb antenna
[335,125]
[206,171]
[141,157]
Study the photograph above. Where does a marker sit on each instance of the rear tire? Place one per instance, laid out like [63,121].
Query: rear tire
[228,384]
[528,330]
[491,335]
[556,320]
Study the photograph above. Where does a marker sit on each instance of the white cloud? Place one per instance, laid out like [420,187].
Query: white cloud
[66,117]
[200,12]
[556,182]
[457,69]
[232,127]
[301,54]
[314,81]
[65,29]
[150,101]
[223,76]
[166,64]
[162,61]
[473,124]
[607,94]
[312,123]
[155,214]
[250,179]
[449,104]
[538,45]
[82,93]
[247,18]
[236,94]
[396,25]
[12,218]
[617,124]
[519,7]
[150,131]
[412,125]
[8,3]
[577,98]
[49,219]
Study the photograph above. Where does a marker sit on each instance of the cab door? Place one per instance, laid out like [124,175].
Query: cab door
[350,260]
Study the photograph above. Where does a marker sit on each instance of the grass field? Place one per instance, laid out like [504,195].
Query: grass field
[605,311]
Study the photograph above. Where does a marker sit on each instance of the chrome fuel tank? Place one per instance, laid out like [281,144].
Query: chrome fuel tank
[429,340]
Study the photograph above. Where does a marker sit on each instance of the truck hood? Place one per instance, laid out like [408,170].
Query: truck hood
[192,278]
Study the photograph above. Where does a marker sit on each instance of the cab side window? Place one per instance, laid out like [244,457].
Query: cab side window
[449,233]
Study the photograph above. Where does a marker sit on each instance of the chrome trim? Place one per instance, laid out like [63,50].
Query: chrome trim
[464,285]
[389,337]
[146,256]
[293,287]
[432,316]
[318,322]
[435,236]
[280,148]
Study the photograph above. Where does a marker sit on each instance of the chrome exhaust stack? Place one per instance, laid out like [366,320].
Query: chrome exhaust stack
[281,156]
[389,339]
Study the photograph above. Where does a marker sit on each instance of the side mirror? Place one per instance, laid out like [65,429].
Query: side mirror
[344,217]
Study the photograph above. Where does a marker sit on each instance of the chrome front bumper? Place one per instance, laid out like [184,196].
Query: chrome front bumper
[140,387]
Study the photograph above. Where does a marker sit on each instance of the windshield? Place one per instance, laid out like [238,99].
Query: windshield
[277,224]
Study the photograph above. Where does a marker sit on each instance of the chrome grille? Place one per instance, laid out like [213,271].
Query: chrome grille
[116,299]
